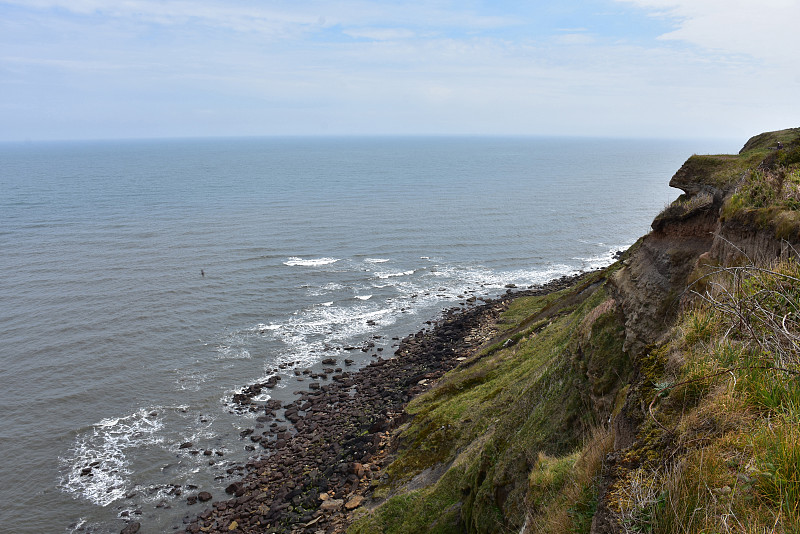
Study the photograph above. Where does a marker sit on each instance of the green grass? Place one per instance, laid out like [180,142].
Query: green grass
[486,420]
[525,308]
[435,510]
[767,192]
[767,140]
[718,171]
[779,480]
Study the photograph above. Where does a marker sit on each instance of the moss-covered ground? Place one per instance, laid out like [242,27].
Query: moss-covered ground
[502,450]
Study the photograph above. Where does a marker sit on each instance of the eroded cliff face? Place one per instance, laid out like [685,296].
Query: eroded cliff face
[719,221]
[693,233]
[650,285]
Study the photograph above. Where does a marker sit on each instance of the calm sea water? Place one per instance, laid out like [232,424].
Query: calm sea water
[114,349]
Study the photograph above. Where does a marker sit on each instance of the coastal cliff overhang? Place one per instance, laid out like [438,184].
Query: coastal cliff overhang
[733,207]
[719,174]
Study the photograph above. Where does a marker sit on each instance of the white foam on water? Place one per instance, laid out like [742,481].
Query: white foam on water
[385,275]
[96,467]
[313,332]
[597,262]
[326,304]
[232,346]
[602,260]
[79,526]
[261,328]
[464,279]
[226,352]
[316,291]
[376,260]
[263,397]
[363,297]
[294,261]
[199,427]
[227,397]
[190,380]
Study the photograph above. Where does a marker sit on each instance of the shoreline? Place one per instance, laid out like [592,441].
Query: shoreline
[322,450]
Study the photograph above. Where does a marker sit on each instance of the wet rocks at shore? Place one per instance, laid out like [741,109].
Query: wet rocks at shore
[320,457]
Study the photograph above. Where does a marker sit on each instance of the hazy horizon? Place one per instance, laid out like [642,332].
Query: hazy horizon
[346,136]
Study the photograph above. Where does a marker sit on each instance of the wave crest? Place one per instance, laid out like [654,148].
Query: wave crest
[294,261]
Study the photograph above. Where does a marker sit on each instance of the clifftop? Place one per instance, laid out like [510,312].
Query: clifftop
[771,139]
[658,395]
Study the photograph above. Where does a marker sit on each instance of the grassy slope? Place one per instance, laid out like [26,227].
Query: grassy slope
[516,436]
[486,422]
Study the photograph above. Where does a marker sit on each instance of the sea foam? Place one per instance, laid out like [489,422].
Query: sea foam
[97,466]
[300,262]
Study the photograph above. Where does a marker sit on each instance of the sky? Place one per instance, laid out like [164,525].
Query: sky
[109,69]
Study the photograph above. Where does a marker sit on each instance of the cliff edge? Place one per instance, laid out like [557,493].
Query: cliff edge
[660,394]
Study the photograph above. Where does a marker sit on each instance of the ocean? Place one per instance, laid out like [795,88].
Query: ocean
[143,283]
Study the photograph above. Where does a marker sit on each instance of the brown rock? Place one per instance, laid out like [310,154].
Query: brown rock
[354,503]
[358,470]
[332,505]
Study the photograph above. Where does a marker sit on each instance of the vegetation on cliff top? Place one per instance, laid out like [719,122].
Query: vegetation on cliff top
[556,427]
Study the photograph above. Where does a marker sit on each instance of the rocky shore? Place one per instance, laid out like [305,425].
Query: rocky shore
[322,451]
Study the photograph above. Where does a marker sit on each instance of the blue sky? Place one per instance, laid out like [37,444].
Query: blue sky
[102,69]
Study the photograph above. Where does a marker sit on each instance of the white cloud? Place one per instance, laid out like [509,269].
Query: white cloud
[767,29]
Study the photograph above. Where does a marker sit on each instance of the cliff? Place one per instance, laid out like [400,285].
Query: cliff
[658,395]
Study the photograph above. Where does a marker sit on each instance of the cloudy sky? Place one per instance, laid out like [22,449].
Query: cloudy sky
[96,69]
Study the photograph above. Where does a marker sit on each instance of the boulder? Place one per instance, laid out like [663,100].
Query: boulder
[354,503]
[331,505]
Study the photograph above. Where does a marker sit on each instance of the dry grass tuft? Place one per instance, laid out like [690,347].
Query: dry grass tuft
[569,507]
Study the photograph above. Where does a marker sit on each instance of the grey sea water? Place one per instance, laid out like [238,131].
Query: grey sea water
[115,349]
